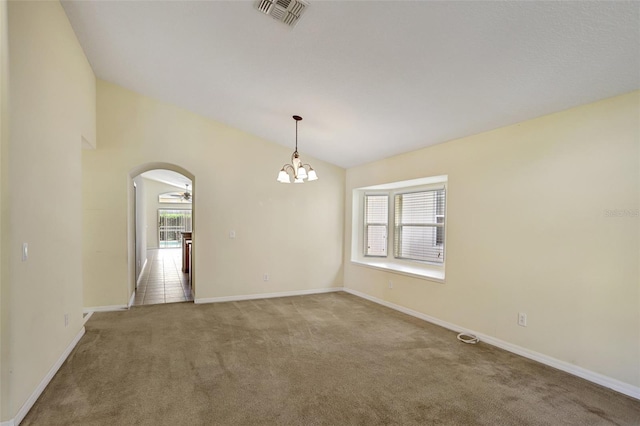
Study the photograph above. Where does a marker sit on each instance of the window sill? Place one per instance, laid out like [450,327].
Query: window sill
[412,271]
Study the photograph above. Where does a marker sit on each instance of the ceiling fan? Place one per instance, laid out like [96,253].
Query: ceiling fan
[186,195]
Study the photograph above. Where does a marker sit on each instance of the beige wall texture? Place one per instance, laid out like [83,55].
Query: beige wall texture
[51,109]
[292,232]
[530,229]
[4,143]
[140,213]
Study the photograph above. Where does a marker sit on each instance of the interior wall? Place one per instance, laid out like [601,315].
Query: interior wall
[291,232]
[151,201]
[52,110]
[141,224]
[4,142]
[530,229]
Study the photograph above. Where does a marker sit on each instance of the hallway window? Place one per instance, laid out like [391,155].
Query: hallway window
[170,225]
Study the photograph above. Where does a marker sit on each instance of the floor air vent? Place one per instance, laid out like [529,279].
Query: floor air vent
[287,11]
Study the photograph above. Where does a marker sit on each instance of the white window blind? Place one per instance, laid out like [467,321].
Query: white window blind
[419,226]
[376,218]
[171,224]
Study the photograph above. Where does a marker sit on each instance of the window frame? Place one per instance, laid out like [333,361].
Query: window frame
[397,233]
[367,224]
[427,270]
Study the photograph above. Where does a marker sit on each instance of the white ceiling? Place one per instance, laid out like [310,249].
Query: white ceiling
[370,79]
[169,177]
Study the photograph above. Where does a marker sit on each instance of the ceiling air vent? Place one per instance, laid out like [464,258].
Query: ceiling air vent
[287,11]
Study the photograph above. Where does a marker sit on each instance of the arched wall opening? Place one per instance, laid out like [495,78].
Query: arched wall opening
[131,222]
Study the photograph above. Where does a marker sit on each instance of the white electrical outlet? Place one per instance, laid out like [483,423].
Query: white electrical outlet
[390,284]
[265,277]
[522,319]
[232,234]
[66,320]
[25,251]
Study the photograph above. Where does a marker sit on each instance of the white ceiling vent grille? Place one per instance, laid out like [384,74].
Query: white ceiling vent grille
[287,11]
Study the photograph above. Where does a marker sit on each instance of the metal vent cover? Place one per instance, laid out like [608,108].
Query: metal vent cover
[287,11]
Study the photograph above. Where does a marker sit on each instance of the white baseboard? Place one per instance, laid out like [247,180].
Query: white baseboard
[85,318]
[7,423]
[267,295]
[45,381]
[105,308]
[600,379]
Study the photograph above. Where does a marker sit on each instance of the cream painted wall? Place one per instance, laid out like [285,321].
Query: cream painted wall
[4,143]
[156,188]
[52,109]
[141,224]
[292,232]
[528,232]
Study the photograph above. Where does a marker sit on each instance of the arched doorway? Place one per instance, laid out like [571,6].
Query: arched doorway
[161,234]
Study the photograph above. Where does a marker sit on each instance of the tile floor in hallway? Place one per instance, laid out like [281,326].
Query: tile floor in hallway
[163,280]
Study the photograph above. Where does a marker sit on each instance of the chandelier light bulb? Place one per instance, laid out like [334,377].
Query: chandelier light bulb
[312,175]
[283,177]
[302,173]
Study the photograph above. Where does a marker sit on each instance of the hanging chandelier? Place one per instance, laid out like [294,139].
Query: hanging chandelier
[298,170]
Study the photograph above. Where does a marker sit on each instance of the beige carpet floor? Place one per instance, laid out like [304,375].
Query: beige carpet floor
[330,359]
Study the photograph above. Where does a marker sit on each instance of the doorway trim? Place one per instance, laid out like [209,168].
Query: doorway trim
[131,238]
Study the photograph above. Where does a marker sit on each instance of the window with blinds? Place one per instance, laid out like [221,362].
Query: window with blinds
[419,226]
[401,226]
[171,224]
[376,220]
